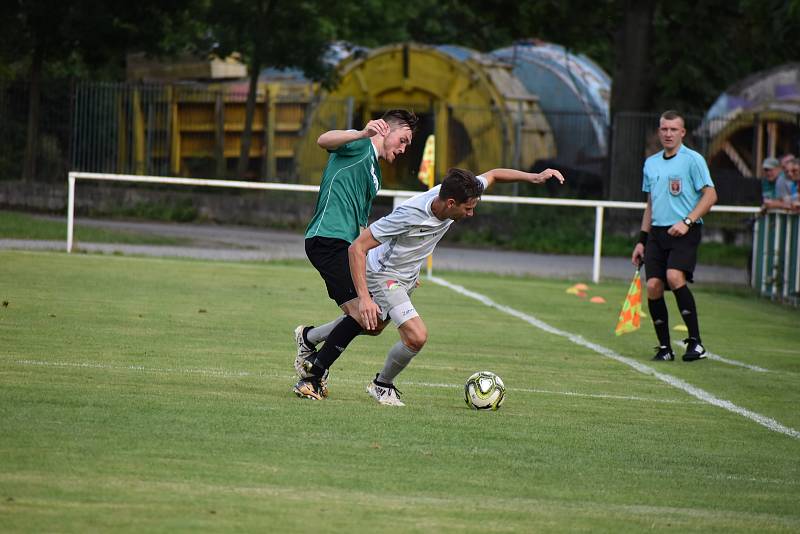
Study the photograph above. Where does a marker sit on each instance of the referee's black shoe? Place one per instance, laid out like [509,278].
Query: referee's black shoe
[664,354]
[694,350]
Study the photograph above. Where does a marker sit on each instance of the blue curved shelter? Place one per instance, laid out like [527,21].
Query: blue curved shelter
[574,94]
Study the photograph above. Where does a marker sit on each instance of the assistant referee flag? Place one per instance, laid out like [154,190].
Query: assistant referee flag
[630,316]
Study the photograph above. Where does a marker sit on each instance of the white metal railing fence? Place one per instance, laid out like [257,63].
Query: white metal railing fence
[775,271]
[399,195]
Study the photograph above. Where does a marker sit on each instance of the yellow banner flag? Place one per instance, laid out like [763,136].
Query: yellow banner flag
[426,168]
[630,316]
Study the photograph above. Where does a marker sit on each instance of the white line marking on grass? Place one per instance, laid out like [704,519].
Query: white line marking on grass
[717,357]
[675,382]
[234,374]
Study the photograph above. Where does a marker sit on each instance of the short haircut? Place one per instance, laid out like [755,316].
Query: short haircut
[671,115]
[460,185]
[402,117]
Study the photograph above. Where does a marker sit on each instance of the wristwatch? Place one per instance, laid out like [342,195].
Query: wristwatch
[688,222]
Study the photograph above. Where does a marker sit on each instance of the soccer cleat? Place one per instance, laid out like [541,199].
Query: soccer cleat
[385,394]
[302,365]
[664,354]
[304,348]
[308,389]
[305,371]
[694,350]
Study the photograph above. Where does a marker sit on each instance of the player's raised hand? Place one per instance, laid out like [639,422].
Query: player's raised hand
[368,311]
[547,174]
[376,127]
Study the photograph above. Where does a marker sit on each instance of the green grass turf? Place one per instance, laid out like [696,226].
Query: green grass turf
[14,225]
[141,394]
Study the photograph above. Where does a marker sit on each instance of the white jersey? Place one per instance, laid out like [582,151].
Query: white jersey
[408,235]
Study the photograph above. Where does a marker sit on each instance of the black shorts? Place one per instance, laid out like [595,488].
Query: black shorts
[328,255]
[664,251]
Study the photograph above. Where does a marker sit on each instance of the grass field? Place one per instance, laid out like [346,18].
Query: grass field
[16,225]
[141,394]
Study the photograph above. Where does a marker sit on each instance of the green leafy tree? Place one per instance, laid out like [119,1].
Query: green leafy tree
[274,33]
[83,36]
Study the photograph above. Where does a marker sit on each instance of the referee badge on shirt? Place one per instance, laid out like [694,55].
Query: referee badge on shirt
[675,185]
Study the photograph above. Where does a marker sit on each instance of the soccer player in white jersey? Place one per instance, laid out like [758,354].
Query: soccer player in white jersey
[385,262]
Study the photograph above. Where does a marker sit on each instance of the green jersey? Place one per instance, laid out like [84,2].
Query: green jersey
[350,181]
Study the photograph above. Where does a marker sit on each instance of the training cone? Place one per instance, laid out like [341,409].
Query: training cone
[581,287]
[680,328]
[573,290]
[597,300]
[629,316]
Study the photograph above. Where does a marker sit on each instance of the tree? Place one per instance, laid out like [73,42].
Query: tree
[275,33]
[85,34]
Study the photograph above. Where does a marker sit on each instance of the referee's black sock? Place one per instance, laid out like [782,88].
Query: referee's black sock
[688,310]
[337,341]
[660,316]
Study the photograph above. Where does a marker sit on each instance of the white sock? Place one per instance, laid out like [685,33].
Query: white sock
[397,359]
[320,333]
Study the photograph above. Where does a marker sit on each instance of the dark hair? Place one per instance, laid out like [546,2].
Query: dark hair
[402,117]
[460,185]
[671,115]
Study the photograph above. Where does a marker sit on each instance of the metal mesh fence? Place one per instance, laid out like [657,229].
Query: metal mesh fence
[47,156]
[195,130]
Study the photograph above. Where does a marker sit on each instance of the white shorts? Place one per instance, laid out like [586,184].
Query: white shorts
[392,296]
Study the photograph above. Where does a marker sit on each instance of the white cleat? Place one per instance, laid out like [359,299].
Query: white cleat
[388,396]
[304,349]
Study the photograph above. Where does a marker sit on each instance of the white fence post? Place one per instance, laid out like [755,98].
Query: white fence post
[598,242]
[70,210]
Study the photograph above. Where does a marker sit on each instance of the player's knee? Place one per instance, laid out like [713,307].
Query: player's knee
[655,288]
[675,279]
[351,308]
[416,343]
[415,339]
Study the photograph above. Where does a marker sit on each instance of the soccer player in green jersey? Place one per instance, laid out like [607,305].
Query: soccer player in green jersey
[350,181]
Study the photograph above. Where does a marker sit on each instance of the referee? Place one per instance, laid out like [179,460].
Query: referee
[679,192]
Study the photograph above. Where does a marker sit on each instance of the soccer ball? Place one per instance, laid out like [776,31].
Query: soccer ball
[484,390]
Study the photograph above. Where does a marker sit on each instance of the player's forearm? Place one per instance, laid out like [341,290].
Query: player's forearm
[358,269]
[513,175]
[647,217]
[508,175]
[703,206]
[333,139]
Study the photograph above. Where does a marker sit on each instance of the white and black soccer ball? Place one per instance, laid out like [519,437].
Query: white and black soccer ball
[484,390]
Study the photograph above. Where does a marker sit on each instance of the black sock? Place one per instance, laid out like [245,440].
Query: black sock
[688,310]
[660,316]
[337,341]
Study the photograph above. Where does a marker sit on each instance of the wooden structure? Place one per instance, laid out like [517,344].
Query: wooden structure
[481,114]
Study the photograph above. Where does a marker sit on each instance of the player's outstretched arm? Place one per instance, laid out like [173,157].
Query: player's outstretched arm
[333,139]
[357,254]
[513,175]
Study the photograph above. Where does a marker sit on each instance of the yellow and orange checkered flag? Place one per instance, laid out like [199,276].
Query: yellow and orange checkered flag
[426,168]
[630,316]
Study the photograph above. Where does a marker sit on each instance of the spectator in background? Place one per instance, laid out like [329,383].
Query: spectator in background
[792,199]
[769,198]
[783,185]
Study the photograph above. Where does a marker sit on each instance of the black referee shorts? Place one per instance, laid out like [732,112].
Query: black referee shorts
[664,251]
[328,255]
